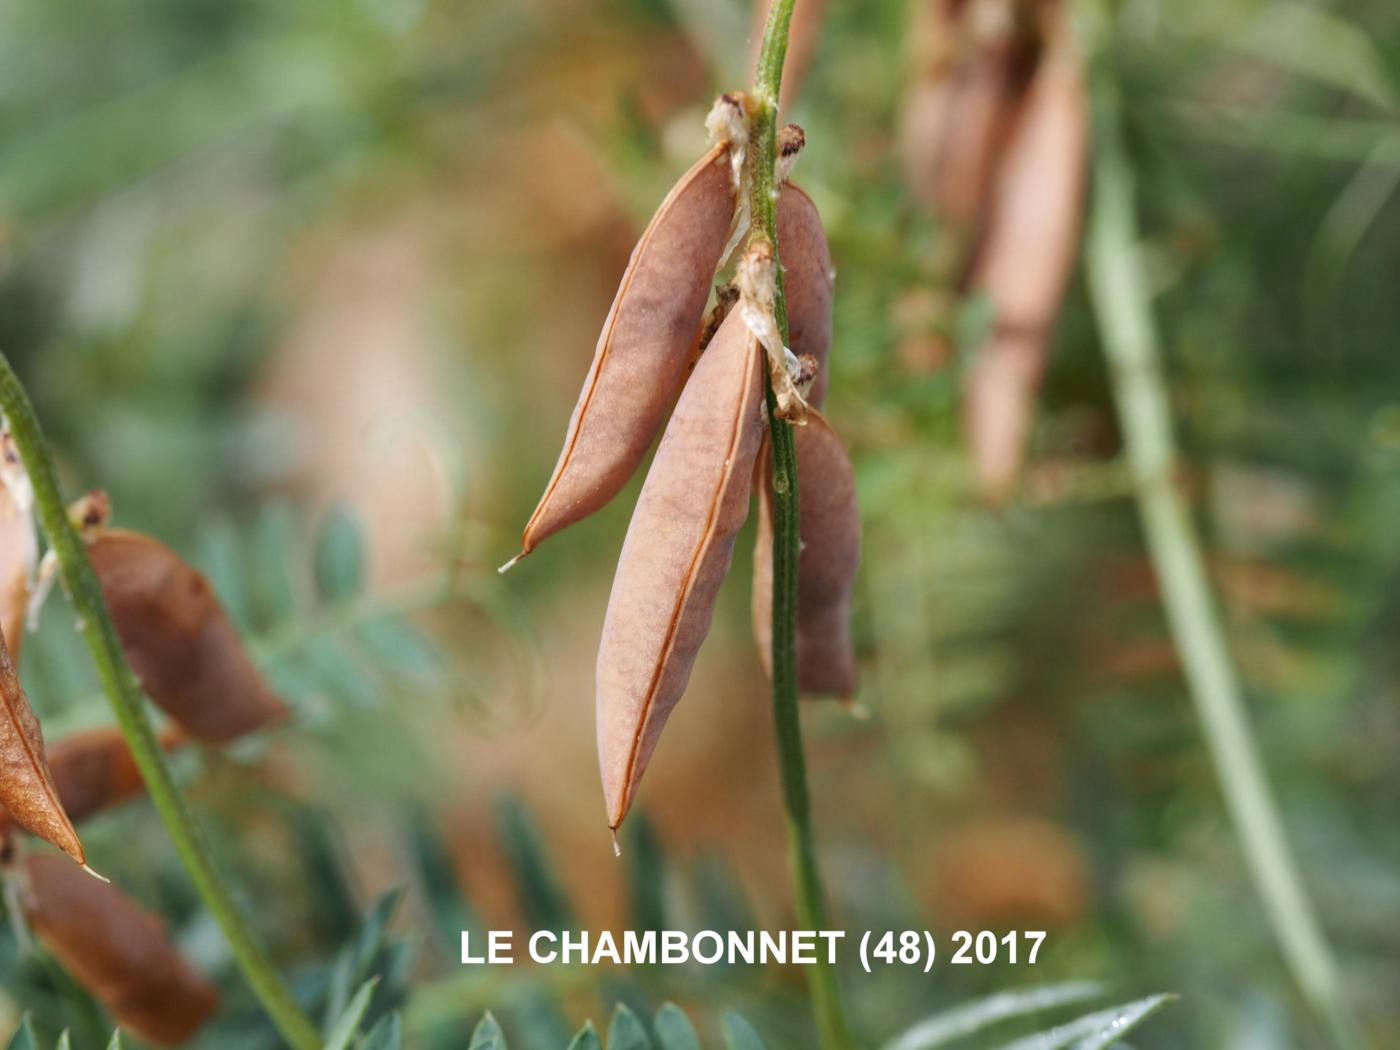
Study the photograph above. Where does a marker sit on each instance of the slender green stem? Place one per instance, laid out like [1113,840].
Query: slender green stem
[128,703]
[1121,301]
[807,883]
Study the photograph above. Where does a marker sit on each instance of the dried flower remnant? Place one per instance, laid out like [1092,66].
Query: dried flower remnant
[27,788]
[181,644]
[678,550]
[756,277]
[648,340]
[1026,260]
[117,950]
[19,545]
[829,524]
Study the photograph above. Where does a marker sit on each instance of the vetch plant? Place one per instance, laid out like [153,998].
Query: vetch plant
[762,369]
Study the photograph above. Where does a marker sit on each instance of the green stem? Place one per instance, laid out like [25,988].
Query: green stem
[128,703]
[807,883]
[1122,304]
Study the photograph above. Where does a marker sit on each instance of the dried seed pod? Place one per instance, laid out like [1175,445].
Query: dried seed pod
[27,788]
[647,341]
[179,640]
[19,546]
[808,279]
[961,107]
[94,769]
[828,517]
[677,552]
[1026,261]
[117,950]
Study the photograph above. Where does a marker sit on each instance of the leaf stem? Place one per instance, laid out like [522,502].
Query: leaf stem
[1121,301]
[807,883]
[128,704]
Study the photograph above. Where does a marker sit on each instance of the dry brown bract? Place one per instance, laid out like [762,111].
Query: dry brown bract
[829,523]
[187,654]
[677,552]
[648,339]
[27,788]
[118,950]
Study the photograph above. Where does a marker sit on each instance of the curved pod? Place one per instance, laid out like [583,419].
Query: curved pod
[829,524]
[677,552]
[1025,264]
[645,349]
[27,789]
[180,642]
[117,950]
[808,281]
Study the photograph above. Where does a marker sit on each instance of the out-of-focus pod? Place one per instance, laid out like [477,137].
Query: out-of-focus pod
[180,642]
[829,525]
[1026,260]
[970,62]
[117,950]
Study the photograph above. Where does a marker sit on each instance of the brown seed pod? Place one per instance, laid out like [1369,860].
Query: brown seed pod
[961,106]
[677,552]
[27,788]
[808,280]
[179,640]
[1026,261]
[117,950]
[93,770]
[828,518]
[648,339]
[19,548]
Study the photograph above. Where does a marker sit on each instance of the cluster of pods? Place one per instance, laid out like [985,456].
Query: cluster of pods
[659,348]
[191,663]
[993,142]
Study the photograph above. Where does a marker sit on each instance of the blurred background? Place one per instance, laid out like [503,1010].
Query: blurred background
[309,289]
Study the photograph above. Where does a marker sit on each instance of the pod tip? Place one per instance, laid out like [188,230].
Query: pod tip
[96,875]
[511,564]
[617,846]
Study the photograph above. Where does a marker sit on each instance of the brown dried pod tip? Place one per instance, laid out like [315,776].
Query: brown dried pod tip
[677,552]
[829,524]
[1026,260]
[93,770]
[117,950]
[181,644]
[649,338]
[19,545]
[27,789]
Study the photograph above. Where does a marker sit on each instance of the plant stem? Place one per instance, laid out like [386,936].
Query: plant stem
[1122,304]
[128,703]
[807,884]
